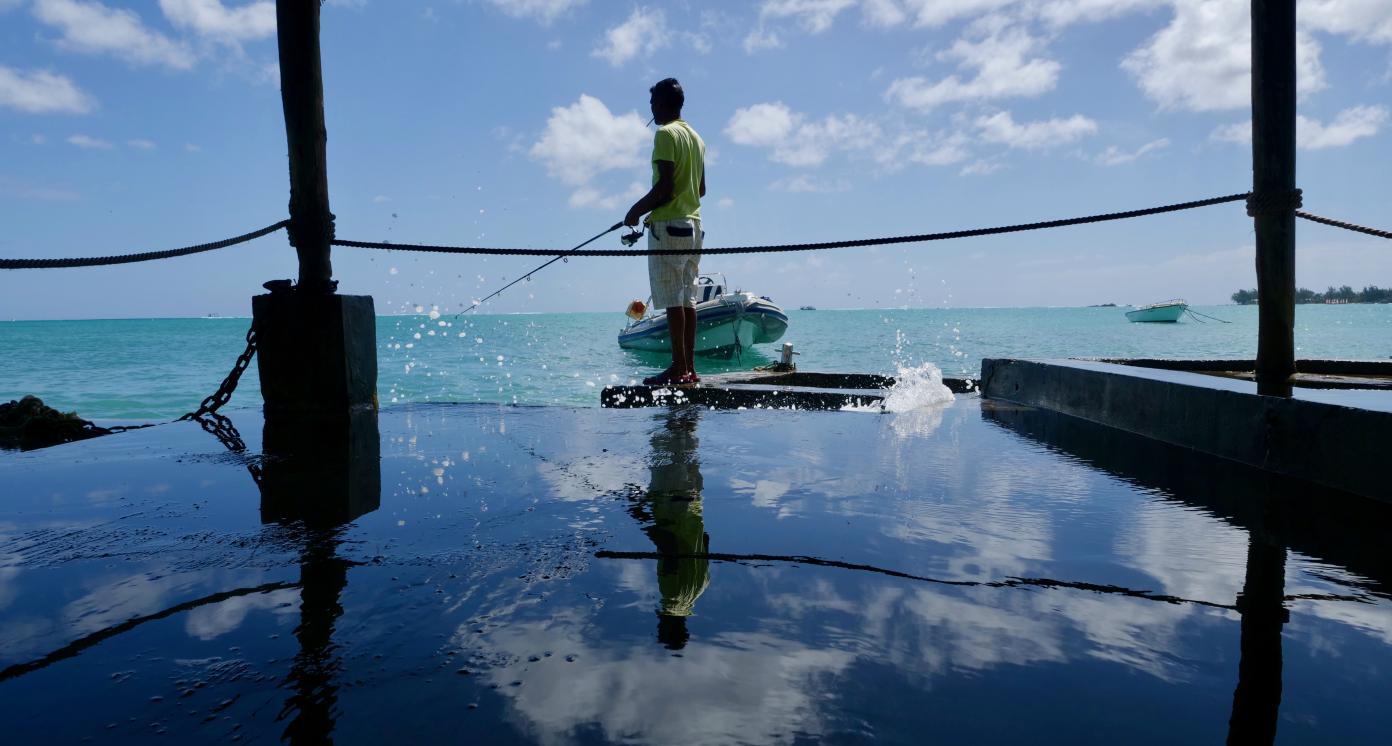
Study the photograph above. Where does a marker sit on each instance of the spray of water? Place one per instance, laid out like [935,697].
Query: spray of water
[917,388]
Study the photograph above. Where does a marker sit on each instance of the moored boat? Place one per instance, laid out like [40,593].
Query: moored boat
[1166,312]
[725,321]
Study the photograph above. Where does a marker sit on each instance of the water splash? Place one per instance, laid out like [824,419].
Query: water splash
[916,388]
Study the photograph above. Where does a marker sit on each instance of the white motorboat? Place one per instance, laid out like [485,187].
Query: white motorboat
[725,321]
[1167,312]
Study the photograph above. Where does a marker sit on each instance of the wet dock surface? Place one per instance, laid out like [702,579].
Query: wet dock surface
[980,573]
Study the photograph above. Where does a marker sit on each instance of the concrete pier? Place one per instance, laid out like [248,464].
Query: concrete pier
[762,390]
[1332,437]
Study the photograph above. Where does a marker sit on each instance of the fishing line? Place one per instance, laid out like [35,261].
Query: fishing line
[553,260]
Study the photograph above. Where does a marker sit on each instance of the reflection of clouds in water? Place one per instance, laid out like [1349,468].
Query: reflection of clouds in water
[7,589]
[114,599]
[1190,553]
[744,687]
[1308,576]
[208,622]
[768,493]
[588,477]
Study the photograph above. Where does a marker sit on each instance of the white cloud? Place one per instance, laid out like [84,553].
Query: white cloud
[761,124]
[86,141]
[981,168]
[544,11]
[802,183]
[725,203]
[815,16]
[585,140]
[37,139]
[643,33]
[1348,126]
[381,199]
[1202,60]
[795,141]
[42,92]
[927,13]
[212,19]
[1000,56]
[758,40]
[93,28]
[1002,129]
[942,150]
[1365,20]
[1060,13]
[141,144]
[1114,156]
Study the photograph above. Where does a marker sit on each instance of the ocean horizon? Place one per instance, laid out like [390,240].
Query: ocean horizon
[158,368]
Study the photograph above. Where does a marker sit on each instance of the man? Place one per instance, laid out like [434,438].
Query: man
[679,183]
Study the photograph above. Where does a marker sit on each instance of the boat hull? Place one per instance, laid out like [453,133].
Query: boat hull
[721,326]
[1157,314]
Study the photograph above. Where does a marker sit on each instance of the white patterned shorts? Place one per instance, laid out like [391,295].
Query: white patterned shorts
[672,277]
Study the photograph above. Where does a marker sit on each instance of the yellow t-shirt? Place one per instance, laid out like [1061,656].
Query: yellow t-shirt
[675,141]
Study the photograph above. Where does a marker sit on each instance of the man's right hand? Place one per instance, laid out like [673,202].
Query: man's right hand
[632,218]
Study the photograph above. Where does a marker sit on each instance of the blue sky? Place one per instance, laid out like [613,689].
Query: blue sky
[155,124]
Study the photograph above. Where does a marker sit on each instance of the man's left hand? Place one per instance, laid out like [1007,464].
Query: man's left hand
[632,218]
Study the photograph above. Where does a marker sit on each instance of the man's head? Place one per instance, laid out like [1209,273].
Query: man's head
[666,100]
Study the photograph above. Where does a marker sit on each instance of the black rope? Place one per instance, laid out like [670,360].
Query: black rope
[96,261]
[1341,224]
[1273,203]
[1010,582]
[803,246]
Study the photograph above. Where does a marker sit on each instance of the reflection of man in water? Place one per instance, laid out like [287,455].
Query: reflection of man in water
[671,511]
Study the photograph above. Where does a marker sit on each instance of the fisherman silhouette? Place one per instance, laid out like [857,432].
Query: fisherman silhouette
[672,518]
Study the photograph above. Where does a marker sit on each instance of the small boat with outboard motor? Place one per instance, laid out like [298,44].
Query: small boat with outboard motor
[725,321]
[1166,312]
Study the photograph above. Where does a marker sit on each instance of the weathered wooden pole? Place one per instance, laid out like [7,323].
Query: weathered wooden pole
[302,95]
[316,350]
[1274,197]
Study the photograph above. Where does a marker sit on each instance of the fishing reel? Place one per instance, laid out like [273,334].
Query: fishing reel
[632,237]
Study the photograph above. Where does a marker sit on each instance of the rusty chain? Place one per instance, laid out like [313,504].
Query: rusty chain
[220,397]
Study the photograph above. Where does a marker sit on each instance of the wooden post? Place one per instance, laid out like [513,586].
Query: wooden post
[302,95]
[1273,177]
[316,350]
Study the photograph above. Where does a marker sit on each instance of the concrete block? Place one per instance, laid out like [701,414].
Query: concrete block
[1333,438]
[316,353]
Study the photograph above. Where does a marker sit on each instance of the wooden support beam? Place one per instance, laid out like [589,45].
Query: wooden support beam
[1273,175]
[302,94]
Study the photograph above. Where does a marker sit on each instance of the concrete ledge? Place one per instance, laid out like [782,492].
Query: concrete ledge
[1337,439]
[747,396]
[759,389]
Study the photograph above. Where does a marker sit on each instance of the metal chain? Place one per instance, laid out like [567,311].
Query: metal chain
[229,384]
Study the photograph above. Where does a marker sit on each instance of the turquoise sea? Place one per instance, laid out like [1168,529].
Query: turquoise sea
[150,369]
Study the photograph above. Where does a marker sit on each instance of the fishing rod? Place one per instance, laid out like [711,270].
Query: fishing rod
[628,239]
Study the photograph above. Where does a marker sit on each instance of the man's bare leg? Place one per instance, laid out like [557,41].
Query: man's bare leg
[676,332]
[689,341]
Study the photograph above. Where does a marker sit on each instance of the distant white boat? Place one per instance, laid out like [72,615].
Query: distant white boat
[724,321]
[1167,312]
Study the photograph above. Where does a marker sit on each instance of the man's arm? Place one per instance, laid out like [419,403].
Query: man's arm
[703,185]
[659,195]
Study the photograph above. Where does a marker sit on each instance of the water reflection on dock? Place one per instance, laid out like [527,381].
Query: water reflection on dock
[678,575]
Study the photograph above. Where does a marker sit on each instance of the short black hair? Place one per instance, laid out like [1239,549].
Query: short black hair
[668,92]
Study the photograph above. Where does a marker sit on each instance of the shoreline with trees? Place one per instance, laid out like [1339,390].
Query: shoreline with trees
[1345,294]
